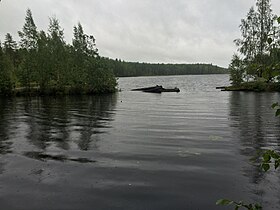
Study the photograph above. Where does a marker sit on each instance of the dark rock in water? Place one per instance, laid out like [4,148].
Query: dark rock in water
[221,87]
[157,89]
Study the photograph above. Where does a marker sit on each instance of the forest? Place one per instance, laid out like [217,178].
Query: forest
[43,63]
[132,69]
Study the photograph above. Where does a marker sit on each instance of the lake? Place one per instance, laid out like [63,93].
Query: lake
[135,150]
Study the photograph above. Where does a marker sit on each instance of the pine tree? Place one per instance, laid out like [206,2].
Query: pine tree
[79,42]
[43,62]
[29,33]
[6,69]
[9,44]
[57,49]
[10,49]
[29,44]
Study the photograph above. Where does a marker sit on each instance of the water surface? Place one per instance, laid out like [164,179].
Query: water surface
[135,150]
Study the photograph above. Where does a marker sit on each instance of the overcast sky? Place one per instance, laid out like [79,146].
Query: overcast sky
[158,31]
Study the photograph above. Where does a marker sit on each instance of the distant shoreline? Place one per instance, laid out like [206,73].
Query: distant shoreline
[174,75]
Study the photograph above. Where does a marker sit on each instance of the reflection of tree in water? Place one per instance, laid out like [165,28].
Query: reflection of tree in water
[32,110]
[5,144]
[94,118]
[7,108]
[51,119]
[55,121]
[256,127]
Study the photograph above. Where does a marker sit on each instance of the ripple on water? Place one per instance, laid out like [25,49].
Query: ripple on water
[138,150]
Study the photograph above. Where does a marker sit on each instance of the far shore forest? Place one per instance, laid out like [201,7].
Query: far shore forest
[43,63]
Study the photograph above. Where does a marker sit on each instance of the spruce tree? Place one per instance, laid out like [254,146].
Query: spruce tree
[10,45]
[58,54]
[29,33]
[28,43]
[6,69]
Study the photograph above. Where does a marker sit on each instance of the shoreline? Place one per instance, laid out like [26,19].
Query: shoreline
[66,91]
[253,87]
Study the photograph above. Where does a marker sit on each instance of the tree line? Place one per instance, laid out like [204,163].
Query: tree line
[258,57]
[132,69]
[43,62]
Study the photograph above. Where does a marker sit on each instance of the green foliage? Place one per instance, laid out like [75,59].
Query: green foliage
[9,45]
[224,202]
[29,34]
[45,64]
[57,55]
[79,41]
[239,205]
[43,76]
[132,69]
[270,157]
[6,79]
[258,85]
[255,29]
[259,44]
[269,41]
[247,44]
[237,70]
[102,81]
[27,69]
[277,107]
[84,44]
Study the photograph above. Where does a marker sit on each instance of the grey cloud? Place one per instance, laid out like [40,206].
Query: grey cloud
[183,31]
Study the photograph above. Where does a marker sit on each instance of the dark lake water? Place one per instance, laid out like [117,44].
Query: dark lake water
[135,150]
